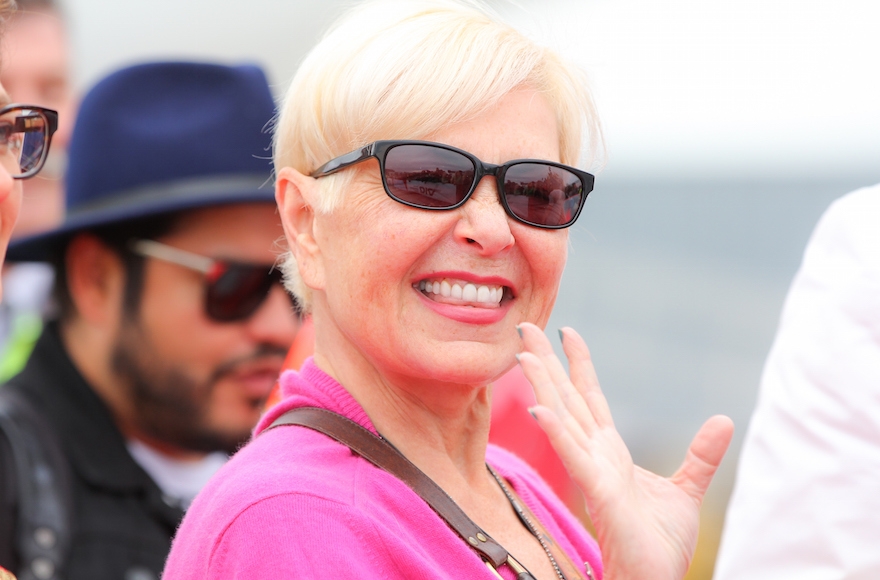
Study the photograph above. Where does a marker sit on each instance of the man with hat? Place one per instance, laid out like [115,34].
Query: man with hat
[171,326]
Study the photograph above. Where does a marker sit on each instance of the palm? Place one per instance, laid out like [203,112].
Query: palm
[646,524]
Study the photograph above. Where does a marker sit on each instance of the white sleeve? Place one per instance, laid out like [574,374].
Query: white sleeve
[806,504]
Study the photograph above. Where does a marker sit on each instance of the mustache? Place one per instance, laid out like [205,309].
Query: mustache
[262,354]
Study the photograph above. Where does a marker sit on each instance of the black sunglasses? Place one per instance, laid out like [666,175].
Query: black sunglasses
[430,175]
[233,290]
[25,135]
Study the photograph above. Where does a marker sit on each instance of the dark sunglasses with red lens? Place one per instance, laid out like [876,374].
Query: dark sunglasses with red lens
[435,176]
[233,290]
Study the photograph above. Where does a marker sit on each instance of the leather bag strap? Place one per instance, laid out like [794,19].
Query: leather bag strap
[383,455]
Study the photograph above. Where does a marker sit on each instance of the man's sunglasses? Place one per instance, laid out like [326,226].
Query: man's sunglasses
[233,290]
[25,135]
[430,175]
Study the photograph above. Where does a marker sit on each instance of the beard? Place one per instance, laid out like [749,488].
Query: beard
[168,404]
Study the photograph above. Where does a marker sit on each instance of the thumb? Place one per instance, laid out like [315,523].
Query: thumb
[704,456]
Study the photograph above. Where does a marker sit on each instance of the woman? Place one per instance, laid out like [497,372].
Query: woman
[25,134]
[424,281]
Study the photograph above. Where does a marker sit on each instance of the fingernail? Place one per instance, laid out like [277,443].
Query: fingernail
[519,330]
[532,413]
[517,357]
[561,336]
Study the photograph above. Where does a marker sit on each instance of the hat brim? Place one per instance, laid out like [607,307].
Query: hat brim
[140,204]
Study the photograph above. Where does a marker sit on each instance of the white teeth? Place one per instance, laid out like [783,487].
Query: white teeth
[468,292]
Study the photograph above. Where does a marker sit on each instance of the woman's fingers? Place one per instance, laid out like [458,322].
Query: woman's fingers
[704,456]
[536,342]
[567,445]
[583,375]
[549,378]
[547,394]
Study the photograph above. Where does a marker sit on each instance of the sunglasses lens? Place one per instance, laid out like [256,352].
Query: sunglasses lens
[428,177]
[543,194]
[238,291]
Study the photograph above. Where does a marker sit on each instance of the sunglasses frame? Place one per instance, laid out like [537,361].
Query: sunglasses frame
[379,150]
[51,117]
[213,269]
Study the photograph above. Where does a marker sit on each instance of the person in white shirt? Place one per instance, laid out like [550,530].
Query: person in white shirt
[807,493]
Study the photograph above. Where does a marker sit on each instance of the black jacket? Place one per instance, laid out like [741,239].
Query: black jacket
[122,527]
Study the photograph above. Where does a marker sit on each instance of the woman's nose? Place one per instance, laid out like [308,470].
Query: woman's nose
[484,223]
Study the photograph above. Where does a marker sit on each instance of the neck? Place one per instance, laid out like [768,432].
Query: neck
[442,427]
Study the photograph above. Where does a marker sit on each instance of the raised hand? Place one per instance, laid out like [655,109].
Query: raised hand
[646,524]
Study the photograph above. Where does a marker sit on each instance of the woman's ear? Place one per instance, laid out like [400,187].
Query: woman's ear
[296,195]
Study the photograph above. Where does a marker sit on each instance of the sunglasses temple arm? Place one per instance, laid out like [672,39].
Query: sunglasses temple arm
[160,251]
[344,161]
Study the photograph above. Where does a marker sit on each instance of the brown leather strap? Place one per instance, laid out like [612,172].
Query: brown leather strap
[384,456]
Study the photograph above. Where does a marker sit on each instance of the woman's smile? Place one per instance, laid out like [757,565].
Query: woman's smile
[463,293]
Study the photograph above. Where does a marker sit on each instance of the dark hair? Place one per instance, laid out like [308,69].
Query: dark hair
[116,237]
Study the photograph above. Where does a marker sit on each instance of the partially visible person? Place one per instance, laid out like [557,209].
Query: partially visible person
[425,179]
[37,71]
[25,136]
[806,498]
[172,322]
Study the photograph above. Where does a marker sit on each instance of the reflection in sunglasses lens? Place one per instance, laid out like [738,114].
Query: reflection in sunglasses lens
[436,178]
[428,176]
[542,194]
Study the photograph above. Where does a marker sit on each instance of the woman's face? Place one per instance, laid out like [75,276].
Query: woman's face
[10,193]
[379,258]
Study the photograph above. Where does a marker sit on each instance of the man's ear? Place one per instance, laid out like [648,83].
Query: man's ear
[95,279]
[296,195]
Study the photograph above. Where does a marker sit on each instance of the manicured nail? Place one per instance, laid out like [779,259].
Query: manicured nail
[561,336]
[519,330]
[532,413]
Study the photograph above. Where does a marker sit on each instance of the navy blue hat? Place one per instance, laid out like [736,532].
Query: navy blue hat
[163,137]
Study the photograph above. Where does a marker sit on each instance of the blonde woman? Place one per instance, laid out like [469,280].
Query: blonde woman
[425,160]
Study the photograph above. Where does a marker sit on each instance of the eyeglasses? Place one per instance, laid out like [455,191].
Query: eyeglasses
[233,290]
[429,175]
[25,135]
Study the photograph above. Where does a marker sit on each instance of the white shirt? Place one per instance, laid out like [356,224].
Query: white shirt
[806,504]
[179,480]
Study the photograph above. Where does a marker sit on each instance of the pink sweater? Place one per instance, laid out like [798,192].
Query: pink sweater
[294,503]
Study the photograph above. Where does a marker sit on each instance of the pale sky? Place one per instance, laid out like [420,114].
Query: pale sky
[683,86]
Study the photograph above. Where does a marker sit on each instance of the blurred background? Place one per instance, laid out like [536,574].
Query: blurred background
[730,127]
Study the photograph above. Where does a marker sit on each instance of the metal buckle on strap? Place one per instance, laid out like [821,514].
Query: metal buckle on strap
[519,569]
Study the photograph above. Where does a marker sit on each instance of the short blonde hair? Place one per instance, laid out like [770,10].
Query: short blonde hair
[394,69]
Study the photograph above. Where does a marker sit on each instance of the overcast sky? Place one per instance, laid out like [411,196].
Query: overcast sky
[683,86]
